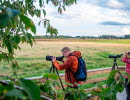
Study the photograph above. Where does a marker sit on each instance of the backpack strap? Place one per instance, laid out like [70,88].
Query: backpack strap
[70,68]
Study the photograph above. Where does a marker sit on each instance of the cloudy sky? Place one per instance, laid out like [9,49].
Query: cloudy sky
[90,18]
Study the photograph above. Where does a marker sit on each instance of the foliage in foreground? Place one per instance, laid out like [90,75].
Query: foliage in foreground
[24,89]
[115,84]
[27,90]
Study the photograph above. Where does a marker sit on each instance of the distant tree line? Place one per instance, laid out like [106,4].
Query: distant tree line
[83,37]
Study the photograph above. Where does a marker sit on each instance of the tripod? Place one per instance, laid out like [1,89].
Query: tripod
[115,66]
[54,69]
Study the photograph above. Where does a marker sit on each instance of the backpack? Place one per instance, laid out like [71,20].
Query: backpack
[81,73]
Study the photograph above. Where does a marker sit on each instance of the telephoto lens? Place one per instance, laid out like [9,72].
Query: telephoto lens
[115,56]
[49,58]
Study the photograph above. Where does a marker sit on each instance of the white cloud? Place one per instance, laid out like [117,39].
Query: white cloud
[125,31]
[115,4]
[85,18]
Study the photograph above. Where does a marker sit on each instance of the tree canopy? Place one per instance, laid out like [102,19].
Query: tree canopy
[16,26]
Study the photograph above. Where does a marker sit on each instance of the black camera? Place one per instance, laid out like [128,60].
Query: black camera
[129,53]
[49,58]
[115,56]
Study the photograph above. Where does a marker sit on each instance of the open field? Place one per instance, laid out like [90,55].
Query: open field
[95,52]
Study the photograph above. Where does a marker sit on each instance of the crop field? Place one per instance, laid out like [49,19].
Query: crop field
[32,62]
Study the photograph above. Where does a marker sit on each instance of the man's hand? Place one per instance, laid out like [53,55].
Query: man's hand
[53,59]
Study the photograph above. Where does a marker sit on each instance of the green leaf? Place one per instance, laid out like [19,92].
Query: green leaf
[9,86]
[44,12]
[83,96]
[119,87]
[112,73]
[4,19]
[40,3]
[47,1]
[29,38]
[17,39]
[51,75]
[64,8]
[1,57]
[45,87]
[31,89]
[110,81]
[15,12]
[128,76]
[39,23]
[1,8]
[53,88]
[106,92]
[56,83]
[1,88]
[16,93]
[12,12]
[68,84]
[23,39]
[28,23]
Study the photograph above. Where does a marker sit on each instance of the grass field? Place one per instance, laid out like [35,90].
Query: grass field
[32,61]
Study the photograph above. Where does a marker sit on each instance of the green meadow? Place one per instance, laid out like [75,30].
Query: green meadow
[32,62]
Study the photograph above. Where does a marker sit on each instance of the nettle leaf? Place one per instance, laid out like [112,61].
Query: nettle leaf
[16,93]
[31,89]
[28,23]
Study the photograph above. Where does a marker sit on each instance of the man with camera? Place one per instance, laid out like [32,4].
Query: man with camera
[126,59]
[70,65]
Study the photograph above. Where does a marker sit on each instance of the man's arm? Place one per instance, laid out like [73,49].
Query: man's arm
[63,66]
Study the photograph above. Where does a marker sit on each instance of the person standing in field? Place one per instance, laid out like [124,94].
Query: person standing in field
[70,65]
[126,59]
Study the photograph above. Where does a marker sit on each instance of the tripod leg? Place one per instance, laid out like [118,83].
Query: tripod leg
[118,68]
[49,72]
[60,80]
[113,67]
